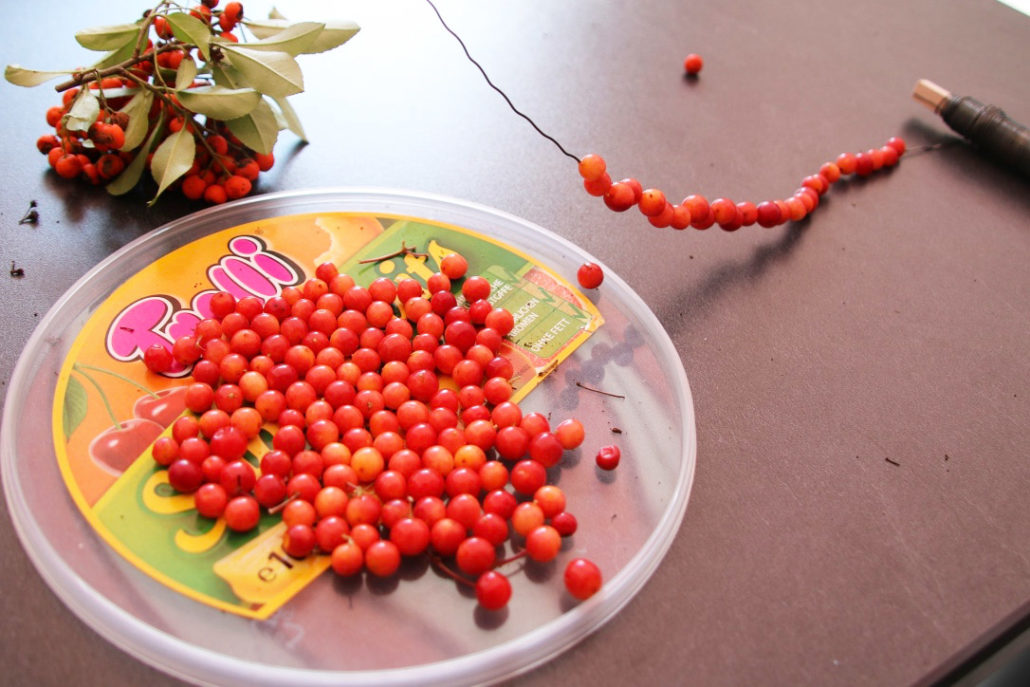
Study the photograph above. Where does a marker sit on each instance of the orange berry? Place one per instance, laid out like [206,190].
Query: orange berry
[215,194]
[46,143]
[248,168]
[53,116]
[264,161]
[193,187]
[54,155]
[218,144]
[237,187]
[109,165]
[68,166]
[591,167]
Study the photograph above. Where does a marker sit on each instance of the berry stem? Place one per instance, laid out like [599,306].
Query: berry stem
[438,562]
[581,385]
[404,250]
[511,559]
[84,77]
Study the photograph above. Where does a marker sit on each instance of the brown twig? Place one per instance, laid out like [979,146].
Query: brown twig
[88,75]
[581,385]
[404,250]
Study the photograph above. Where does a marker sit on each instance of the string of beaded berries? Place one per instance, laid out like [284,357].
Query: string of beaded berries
[697,212]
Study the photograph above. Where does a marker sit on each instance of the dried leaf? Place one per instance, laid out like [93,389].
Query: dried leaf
[20,76]
[290,118]
[219,102]
[258,129]
[117,56]
[107,37]
[127,180]
[273,73]
[172,159]
[265,28]
[335,34]
[138,110]
[225,75]
[189,29]
[83,112]
[185,74]
[294,39]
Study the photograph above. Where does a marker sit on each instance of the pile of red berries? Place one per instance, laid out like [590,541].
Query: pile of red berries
[375,455]
[695,210]
[223,168]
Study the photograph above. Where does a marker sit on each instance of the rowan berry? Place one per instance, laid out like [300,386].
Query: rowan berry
[109,166]
[453,266]
[652,202]
[53,115]
[158,358]
[215,194]
[493,590]
[692,64]
[265,161]
[599,186]
[236,187]
[68,166]
[591,167]
[582,578]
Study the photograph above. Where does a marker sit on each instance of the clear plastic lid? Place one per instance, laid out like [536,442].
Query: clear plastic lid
[419,627]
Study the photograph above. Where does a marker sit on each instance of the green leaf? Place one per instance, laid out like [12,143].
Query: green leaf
[126,181]
[335,34]
[225,75]
[185,74]
[76,404]
[117,56]
[219,102]
[290,118]
[273,73]
[107,37]
[258,130]
[83,112]
[172,159]
[20,76]
[265,28]
[138,110]
[294,39]
[274,13]
[189,29]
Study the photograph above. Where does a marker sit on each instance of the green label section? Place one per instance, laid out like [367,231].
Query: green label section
[164,532]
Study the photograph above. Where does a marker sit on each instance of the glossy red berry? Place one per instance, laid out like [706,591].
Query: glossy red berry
[692,64]
[590,275]
[608,457]
[582,578]
[493,590]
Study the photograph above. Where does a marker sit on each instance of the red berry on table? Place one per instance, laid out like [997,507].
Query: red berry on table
[692,64]
[582,578]
[608,457]
[590,275]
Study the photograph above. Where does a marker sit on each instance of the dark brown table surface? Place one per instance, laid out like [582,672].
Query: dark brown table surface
[859,513]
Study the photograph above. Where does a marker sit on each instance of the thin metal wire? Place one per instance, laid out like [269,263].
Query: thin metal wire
[504,95]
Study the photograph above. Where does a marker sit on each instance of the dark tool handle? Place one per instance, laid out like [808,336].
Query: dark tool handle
[991,129]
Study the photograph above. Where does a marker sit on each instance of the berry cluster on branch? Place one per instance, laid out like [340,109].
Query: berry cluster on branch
[183,94]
